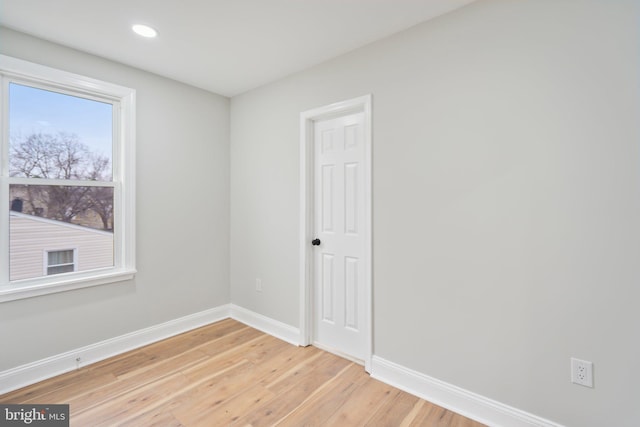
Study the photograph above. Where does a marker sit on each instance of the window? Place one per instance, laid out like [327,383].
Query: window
[61,261]
[67,181]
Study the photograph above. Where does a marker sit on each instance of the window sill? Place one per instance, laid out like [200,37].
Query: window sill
[37,287]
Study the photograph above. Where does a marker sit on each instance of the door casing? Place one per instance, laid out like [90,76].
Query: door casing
[307,121]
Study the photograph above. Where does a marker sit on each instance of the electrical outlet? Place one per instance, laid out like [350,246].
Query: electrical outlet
[581,372]
[258,285]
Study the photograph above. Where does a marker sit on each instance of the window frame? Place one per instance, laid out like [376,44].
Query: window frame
[123,163]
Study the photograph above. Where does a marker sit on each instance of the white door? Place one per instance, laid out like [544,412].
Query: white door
[339,243]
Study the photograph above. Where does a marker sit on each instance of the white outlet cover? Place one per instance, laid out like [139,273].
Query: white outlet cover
[581,372]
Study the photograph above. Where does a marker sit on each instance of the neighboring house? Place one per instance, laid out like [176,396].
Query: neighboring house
[41,246]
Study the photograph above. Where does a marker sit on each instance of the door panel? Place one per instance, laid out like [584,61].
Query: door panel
[351,198]
[328,279]
[328,197]
[339,215]
[351,292]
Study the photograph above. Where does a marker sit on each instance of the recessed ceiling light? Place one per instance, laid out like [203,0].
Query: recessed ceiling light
[144,30]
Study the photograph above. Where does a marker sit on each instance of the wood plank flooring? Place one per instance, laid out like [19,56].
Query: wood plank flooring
[230,374]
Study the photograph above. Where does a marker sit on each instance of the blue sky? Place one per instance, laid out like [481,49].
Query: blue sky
[33,110]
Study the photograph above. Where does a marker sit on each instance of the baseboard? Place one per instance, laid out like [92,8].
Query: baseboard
[30,373]
[265,324]
[463,402]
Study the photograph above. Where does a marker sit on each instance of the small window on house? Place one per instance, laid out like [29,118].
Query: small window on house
[67,156]
[61,261]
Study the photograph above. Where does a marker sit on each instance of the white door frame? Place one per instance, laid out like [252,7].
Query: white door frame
[307,119]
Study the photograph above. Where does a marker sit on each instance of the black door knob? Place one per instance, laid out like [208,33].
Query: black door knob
[315,242]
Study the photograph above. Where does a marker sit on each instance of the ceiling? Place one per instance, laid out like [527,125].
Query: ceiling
[224,46]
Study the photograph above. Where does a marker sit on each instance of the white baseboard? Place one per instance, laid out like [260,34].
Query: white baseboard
[461,401]
[454,398]
[30,373]
[265,324]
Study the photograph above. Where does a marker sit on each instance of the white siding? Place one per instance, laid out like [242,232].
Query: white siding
[31,237]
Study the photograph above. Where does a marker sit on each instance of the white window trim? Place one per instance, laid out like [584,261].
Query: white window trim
[123,177]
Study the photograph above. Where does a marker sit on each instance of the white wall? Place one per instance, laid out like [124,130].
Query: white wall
[506,200]
[182,217]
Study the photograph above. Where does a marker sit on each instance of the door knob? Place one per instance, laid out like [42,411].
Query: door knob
[315,242]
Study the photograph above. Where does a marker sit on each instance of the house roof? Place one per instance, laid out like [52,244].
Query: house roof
[57,223]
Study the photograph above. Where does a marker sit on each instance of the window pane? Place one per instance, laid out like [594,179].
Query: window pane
[60,269]
[47,218]
[58,136]
[60,257]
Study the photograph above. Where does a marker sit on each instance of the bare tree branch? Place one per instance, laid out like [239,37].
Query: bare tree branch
[62,156]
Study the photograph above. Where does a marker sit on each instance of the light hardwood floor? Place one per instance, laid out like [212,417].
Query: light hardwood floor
[230,374]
